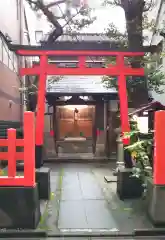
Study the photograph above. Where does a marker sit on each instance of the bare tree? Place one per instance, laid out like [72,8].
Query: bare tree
[84,12]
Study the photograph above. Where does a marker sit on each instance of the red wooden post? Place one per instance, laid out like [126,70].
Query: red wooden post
[125,127]
[29,149]
[41,101]
[81,63]
[159,141]
[11,152]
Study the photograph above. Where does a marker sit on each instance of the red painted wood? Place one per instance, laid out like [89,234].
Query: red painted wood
[52,133]
[159,138]
[29,71]
[28,155]
[53,70]
[29,149]
[8,181]
[11,152]
[18,155]
[122,90]
[126,141]
[81,63]
[75,53]
[18,142]
[41,101]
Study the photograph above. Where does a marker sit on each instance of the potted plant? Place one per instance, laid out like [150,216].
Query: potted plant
[131,181]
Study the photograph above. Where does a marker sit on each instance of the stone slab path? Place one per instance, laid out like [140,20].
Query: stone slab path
[83,205]
[83,202]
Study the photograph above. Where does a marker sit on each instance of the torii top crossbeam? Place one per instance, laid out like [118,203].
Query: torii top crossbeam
[52,69]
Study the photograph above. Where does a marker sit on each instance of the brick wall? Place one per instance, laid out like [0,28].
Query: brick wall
[9,84]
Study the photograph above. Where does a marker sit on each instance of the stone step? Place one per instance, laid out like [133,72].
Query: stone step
[75,150]
[75,147]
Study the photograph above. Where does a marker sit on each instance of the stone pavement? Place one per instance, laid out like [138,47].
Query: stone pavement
[83,202]
[83,205]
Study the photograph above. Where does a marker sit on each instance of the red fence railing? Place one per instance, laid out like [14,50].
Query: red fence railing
[28,154]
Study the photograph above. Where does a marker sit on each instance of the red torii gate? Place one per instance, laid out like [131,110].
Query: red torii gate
[44,69]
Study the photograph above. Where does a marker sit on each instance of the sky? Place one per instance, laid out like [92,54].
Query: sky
[105,15]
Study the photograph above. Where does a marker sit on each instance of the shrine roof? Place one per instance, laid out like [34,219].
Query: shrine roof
[83,42]
[80,84]
[82,37]
[152,106]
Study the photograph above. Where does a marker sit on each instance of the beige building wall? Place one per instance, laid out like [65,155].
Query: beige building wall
[12,23]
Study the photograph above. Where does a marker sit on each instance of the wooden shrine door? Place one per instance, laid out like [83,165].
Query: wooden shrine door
[75,121]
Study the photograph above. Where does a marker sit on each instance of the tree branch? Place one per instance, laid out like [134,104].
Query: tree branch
[112,3]
[50,16]
[78,24]
[148,6]
[55,3]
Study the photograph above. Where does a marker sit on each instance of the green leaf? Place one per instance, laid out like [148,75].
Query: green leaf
[135,145]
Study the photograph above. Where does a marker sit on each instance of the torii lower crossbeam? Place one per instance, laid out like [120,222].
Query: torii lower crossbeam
[44,68]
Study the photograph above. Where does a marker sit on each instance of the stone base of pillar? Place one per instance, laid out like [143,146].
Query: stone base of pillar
[128,186]
[39,156]
[155,202]
[43,181]
[20,207]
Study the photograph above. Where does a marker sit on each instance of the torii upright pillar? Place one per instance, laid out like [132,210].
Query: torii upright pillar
[40,112]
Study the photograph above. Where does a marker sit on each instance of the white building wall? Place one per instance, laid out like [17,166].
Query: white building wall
[31,19]
[9,24]
[12,23]
[158,13]
[9,15]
